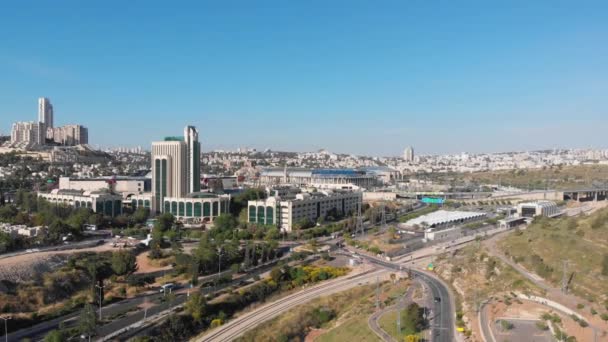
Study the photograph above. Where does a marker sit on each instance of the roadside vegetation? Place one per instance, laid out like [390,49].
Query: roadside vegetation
[581,241]
[69,287]
[476,276]
[199,314]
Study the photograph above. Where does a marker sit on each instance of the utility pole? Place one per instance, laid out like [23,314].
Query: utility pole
[219,266]
[377,293]
[6,327]
[359,224]
[100,300]
[565,276]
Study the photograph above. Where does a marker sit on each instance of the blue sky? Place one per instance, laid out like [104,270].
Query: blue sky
[364,77]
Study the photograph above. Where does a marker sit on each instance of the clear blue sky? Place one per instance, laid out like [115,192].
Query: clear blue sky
[365,77]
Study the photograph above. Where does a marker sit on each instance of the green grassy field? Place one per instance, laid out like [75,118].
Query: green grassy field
[583,241]
[353,329]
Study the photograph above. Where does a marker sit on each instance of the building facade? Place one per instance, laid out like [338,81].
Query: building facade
[319,177]
[193,160]
[169,172]
[45,112]
[408,154]
[33,133]
[540,208]
[70,135]
[100,202]
[308,206]
[197,207]
[125,186]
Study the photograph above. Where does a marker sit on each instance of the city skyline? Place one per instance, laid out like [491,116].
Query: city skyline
[351,78]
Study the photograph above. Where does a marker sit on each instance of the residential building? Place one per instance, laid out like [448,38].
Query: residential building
[285,212]
[70,135]
[45,112]
[30,133]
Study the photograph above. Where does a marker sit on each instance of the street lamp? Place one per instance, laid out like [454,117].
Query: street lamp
[6,327]
[219,265]
[100,300]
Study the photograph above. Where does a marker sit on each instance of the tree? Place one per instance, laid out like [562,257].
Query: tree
[123,262]
[412,338]
[87,321]
[55,336]
[164,222]
[196,306]
[141,214]
[604,317]
[605,265]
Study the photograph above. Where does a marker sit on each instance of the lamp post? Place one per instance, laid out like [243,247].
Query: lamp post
[100,300]
[219,266]
[6,327]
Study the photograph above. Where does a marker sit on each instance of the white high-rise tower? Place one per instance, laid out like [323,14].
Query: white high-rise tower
[45,112]
[193,160]
[408,154]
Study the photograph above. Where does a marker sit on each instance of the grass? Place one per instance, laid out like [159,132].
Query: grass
[556,177]
[474,276]
[583,241]
[353,329]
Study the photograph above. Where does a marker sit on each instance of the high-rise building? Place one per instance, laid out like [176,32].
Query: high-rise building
[70,135]
[408,154]
[28,132]
[193,160]
[168,170]
[45,112]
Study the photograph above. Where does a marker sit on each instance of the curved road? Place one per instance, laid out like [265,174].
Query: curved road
[373,319]
[443,310]
[241,324]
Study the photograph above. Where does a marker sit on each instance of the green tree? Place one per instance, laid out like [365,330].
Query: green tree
[164,222]
[123,262]
[87,321]
[55,336]
[141,215]
[196,306]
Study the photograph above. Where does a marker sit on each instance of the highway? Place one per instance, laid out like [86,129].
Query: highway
[132,305]
[442,312]
[238,326]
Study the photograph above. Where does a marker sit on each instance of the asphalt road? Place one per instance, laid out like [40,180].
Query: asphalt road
[373,320]
[242,324]
[442,312]
[130,306]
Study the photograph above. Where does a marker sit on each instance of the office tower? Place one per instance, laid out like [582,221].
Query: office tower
[45,112]
[193,161]
[408,154]
[169,172]
[28,132]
